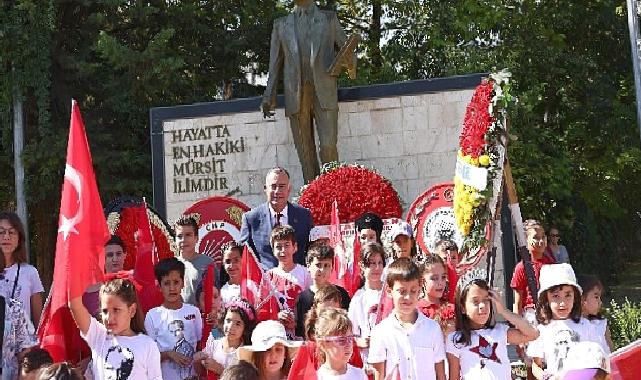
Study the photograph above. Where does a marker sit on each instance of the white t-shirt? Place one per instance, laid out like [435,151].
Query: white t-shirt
[228,292]
[359,313]
[299,276]
[28,284]
[175,330]
[600,326]
[122,357]
[486,357]
[359,310]
[555,340]
[415,351]
[352,373]
[214,350]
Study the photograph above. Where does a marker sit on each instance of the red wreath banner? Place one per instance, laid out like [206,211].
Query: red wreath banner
[125,224]
[356,189]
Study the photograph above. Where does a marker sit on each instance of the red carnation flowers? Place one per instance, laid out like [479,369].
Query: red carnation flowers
[356,189]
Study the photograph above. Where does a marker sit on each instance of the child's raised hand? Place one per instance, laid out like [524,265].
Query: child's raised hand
[498,303]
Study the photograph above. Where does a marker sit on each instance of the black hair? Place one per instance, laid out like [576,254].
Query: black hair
[544,311]
[587,282]
[370,221]
[429,261]
[249,321]
[187,221]
[463,334]
[283,232]
[170,264]
[126,290]
[20,254]
[242,370]
[35,359]
[403,269]
[320,252]
[60,371]
[326,293]
[116,240]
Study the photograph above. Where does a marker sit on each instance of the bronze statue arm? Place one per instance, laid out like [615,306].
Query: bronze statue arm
[276,58]
[341,38]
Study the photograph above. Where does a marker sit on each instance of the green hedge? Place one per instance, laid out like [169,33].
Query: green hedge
[625,322]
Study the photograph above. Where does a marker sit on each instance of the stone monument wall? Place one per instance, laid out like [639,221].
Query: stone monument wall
[407,131]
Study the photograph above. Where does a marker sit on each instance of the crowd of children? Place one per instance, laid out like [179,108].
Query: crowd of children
[441,324]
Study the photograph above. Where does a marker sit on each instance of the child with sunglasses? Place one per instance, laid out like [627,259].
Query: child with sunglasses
[336,343]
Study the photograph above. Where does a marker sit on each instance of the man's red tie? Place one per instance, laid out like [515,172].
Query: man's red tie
[278,216]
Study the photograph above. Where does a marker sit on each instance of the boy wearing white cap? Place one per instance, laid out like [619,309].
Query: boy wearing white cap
[401,237]
[561,325]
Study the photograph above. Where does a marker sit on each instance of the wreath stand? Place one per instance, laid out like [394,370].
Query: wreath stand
[505,179]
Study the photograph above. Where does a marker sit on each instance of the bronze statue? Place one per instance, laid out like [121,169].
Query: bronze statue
[311,48]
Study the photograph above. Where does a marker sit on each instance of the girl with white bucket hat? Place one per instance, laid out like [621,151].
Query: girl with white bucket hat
[270,352]
[561,325]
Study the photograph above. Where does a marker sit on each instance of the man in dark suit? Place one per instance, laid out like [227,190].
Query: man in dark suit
[258,222]
[304,45]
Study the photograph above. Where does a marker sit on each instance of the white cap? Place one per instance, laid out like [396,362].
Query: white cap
[319,232]
[400,228]
[583,359]
[265,335]
[556,274]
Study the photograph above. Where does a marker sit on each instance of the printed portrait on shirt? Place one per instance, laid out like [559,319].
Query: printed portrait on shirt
[119,362]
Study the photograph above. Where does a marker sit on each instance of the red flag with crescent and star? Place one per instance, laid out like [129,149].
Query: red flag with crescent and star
[257,288]
[80,252]
[150,295]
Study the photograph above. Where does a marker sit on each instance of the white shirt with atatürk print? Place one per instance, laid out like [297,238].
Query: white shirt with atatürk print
[555,340]
[175,330]
[122,357]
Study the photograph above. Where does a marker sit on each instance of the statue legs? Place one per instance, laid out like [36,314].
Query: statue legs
[303,133]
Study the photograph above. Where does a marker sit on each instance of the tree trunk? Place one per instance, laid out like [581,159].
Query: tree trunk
[375,33]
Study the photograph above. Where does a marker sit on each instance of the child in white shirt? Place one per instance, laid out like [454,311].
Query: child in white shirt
[175,326]
[591,309]
[560,323]
[407,339]
[478,349]
[232,253]
[362,308]
[119,348]
[289,278]
[238,321]
[333,334]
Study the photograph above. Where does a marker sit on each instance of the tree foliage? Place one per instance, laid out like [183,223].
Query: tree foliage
[575,150]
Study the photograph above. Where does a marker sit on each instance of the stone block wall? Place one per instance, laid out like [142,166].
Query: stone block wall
[203,150]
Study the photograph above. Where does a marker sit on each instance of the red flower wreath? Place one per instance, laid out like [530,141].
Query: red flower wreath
[356,189]
[126,228]
[477,121]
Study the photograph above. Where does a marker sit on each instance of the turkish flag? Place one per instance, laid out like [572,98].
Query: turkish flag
[339,275]
[149,295]
[256,287]
[303,366]
[208,294]
[80,246]
[355,280]
[384,307]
